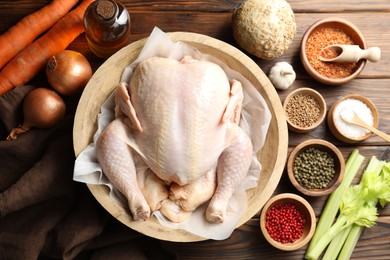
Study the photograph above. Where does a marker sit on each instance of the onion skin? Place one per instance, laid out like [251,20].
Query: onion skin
[42,108]
[68,72]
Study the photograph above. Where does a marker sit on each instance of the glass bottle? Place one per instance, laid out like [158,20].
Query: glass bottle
[107,27]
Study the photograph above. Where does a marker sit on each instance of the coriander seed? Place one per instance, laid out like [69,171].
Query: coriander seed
[303,110]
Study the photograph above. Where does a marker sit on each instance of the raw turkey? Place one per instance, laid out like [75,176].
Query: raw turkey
[178,120]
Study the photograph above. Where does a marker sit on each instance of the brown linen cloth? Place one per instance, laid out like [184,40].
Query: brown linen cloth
[44,214]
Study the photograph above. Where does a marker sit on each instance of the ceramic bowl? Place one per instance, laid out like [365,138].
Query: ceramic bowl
[272,156]
[322,105]
[322,145]
[307,212]
[333,116]
[351,30]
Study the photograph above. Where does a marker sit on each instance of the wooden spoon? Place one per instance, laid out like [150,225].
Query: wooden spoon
[352,53]
[356,120]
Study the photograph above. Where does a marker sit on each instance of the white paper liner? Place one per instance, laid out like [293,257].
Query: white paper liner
[255,122]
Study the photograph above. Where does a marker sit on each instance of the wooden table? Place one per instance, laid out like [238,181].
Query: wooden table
[213,18]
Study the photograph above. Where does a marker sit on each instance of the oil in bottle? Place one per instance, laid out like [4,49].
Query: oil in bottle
[107,27]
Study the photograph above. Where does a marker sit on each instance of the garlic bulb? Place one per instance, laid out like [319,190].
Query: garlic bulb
[282,75]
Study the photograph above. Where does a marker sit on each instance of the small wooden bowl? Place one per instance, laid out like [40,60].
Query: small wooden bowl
[322,145]
[331,119]
[351,30]
[304,207]
[318,97]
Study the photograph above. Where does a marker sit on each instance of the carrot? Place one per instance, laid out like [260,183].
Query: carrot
[24,66]
[30,27]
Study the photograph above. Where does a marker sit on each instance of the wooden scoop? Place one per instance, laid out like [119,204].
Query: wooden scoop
[352,53]
[356,120]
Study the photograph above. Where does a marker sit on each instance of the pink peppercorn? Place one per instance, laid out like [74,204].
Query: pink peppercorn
[284,223]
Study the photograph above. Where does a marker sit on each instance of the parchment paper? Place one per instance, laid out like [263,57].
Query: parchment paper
[255,122]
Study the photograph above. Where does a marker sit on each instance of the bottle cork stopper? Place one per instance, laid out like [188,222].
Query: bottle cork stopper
[105,9]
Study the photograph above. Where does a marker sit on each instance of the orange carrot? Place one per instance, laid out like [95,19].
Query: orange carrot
[30,27]
[24,66]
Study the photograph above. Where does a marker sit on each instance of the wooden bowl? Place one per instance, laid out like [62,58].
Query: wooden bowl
[272,156]
[307,212]
[351,30]
[322,145]
[318,97]
[332,117]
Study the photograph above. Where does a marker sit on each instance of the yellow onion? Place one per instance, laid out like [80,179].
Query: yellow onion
[68,72]
[42,108]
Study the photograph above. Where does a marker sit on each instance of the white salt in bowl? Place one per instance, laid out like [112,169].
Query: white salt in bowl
[347,132]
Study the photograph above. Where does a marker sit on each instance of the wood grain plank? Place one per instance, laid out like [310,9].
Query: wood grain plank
[299,6]
[217,25]
[184,5]
[331,6]
[247,242]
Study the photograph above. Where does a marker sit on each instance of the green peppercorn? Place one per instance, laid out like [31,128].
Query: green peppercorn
[314,169]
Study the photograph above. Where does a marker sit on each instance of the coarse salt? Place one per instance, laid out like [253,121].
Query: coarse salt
[347,107]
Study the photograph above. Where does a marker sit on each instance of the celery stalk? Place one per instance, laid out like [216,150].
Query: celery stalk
[350,242]
[374,166]
[331,208]
[358,206]
[334,230]
[336,244]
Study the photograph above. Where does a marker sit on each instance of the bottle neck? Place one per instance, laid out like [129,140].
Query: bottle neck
[106,11]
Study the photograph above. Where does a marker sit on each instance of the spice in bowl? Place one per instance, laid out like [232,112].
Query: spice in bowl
[316,45]
[346,108]
[284,223]
[314,168]
[287,221]
[305,109]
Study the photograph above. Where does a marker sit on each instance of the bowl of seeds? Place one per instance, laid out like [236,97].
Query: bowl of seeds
[316,42]
[305,109]
[287,221]
[316,167]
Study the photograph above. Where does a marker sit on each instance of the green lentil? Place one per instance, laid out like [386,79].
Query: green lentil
[314,168]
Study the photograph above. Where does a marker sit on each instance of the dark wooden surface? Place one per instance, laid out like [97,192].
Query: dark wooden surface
[213,18]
